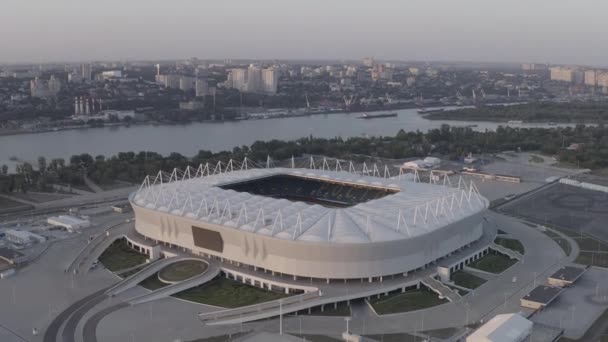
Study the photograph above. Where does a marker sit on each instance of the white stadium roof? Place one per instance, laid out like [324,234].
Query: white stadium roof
[416,209]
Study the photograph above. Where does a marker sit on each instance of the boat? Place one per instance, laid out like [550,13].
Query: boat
[552,124]
[377,116]
[471,126]
[429,111]
[514,122]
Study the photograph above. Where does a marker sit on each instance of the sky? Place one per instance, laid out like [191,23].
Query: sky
[554,31]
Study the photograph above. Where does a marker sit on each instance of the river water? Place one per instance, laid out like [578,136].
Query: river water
[189,139]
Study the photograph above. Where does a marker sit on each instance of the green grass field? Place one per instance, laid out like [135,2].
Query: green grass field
[468,280]
[512,244]
[228,293]
[493,263]
[563,243]
[182,270]
[152,283]
[120,256]
[404,302]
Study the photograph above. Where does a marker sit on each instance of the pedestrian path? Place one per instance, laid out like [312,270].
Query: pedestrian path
[441,289]
[211,272]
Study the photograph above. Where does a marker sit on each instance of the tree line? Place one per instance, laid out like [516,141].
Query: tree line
[449,142]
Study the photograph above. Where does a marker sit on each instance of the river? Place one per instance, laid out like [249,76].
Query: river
[190,138]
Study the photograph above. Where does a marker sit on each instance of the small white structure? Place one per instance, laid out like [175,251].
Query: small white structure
[22,237]
[70,223]
[432,161]
[503,328]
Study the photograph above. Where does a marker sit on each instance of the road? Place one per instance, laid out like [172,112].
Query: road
[52,331]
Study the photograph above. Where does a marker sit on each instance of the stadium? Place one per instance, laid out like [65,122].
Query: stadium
[310,223]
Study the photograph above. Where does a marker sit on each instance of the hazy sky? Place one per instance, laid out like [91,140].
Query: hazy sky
[557,31]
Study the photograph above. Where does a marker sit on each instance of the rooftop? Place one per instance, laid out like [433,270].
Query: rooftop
[9,254]
[543,294]
[568,273]
[408,209]
[505,327]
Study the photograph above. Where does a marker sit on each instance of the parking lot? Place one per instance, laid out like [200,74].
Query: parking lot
[565,207]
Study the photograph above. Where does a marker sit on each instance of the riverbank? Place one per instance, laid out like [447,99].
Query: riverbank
[564,113]
[188,139]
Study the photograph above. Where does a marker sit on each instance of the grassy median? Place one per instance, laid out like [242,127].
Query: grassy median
[407,301]
[120,256]
[493,263]
[228,293]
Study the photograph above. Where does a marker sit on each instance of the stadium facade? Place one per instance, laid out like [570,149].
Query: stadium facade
[310,223]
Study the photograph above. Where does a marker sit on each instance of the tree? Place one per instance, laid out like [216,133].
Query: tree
[4,169]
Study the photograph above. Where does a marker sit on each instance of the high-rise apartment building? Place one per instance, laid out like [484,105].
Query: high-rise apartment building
[270,80]
[186,83]
[591,78]
[201,87]
[86,72]
[562,74]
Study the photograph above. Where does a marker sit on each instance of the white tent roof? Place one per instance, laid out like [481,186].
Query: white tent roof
[416,209]
[503,328]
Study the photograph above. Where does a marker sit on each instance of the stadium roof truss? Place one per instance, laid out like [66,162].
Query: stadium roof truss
[414,208]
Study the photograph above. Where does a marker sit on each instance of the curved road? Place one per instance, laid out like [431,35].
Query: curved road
[90,326]
[69,330]
[50,335]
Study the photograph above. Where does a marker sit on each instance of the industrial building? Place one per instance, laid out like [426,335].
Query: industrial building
[22,237]
[70,223]
[309,223]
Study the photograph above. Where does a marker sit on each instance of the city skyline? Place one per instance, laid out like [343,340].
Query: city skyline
[472,30]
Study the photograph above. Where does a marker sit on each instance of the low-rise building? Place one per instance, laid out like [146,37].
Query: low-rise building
[540,297]
[23,237]
[70,223]
[503,328]
[566,276]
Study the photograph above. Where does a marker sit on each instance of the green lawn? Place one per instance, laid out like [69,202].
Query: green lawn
[563,243]
[120,256]
[404,302]
[228,293]
[152,283]
[183,270]
[536,159]
[467,280]
[592,258]
[129,273]
[512,244]
[493,263]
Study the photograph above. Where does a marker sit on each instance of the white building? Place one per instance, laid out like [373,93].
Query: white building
[254,79]
[22,237]
[591,78]
[503,328]
[270,80]
[238,78]
[70,223]
[567,74]
[186,83]
[45,89]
